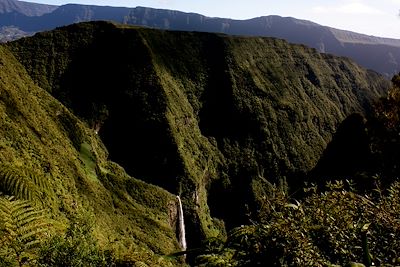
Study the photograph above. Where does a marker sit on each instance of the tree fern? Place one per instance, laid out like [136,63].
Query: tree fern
[21,226]
[22,182]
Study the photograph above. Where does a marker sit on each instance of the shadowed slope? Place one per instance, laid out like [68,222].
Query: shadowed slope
[39,133]
[202,115]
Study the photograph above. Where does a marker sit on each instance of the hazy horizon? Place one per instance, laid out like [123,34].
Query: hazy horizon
[363,16]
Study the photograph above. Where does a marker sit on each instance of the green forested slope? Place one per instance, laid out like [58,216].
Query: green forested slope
[39,137]
[201,115]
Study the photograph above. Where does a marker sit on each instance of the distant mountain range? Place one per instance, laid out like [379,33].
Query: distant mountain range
[379,54]
[25,8]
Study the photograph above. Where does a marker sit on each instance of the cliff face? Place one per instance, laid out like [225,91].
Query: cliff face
[379,54]
[25,8]
[201,115]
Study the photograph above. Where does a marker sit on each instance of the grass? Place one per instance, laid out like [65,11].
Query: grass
[89,160]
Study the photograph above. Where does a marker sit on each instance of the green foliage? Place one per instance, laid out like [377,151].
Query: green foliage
[89,159]
[50,157]
[77,247]
[22,182]
[387,109]
[22,226]
[6,261]
[335,226]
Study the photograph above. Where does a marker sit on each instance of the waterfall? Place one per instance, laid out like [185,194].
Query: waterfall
[181,225]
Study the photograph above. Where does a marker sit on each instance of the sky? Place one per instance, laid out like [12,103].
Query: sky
[372,17]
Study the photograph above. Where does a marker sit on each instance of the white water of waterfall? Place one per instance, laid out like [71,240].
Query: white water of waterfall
[181,226]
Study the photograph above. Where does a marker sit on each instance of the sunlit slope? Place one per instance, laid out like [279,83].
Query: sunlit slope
[39,135]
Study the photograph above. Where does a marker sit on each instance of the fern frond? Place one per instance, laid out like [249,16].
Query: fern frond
[32,243]
[21,223]
[32,233]
[22,182]
[40,181]
[21,210]
[140,264]
[26,219]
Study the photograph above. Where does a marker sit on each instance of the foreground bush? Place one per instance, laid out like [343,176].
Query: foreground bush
[77,247]
[337,226]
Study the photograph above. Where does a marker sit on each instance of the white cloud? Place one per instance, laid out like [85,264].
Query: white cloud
[355,8]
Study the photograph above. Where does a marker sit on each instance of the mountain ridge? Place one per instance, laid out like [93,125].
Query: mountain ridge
[26,8]
[379,54]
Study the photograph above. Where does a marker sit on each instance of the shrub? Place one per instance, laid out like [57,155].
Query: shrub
[335,226]
[77,247]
